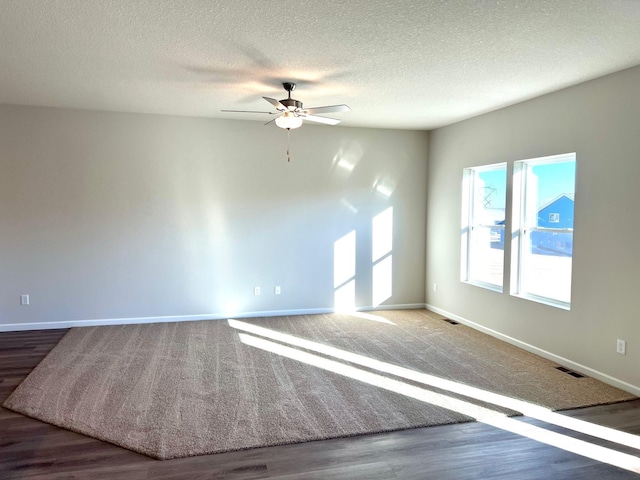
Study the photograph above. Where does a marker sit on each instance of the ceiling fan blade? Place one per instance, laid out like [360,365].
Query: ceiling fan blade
[279,114]
[318,119]
[275,103]
[246,111]
[327,109]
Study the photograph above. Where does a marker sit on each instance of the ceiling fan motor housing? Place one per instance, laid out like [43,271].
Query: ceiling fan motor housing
[291,103]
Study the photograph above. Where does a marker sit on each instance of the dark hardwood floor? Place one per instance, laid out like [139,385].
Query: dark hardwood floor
[36,450]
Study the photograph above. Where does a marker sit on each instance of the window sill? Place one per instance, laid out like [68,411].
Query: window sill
[488,286]
[544,300]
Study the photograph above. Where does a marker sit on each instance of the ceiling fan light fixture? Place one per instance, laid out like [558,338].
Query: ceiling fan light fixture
[289,121]
[291,114]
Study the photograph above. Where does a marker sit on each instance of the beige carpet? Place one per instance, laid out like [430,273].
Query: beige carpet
[178,389]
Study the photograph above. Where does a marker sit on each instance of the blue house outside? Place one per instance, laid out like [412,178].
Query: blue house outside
[497,235]
[556,214]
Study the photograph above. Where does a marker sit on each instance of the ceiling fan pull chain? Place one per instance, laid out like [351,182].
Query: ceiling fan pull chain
[288,144]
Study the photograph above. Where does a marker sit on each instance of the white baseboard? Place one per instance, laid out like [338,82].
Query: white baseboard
[565,362]
[310,311]
[14,327]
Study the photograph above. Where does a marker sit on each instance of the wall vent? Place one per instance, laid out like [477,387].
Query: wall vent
[570,372]
[452,322]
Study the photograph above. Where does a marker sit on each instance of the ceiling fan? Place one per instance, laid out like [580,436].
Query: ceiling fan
[290,112]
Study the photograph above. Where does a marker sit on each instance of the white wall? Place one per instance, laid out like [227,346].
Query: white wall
[600,121]
[110,216]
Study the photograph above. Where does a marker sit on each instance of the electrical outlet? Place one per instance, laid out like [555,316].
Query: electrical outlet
[435,287]
[24,299]
[621,347]
[256,291]
[277,290]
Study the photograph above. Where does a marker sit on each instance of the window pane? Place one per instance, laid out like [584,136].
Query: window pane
[486,259]
[547,265]
[543,210]
[483,222]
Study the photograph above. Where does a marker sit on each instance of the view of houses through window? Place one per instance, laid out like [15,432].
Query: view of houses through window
[542,248]
[541,228]
[483,223]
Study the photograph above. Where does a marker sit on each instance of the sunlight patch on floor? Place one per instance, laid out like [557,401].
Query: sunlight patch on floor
[482,414]
[437,399]
[369,316]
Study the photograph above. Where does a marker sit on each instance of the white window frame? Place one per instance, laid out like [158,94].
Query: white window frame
[470,225]
[524,220]
[554,218]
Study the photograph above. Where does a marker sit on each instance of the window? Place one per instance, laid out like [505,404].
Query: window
[542,248]
[483,224]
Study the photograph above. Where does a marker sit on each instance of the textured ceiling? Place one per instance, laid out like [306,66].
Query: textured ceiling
[398,63]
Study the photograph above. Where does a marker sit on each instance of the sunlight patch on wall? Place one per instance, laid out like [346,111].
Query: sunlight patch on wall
[384,187]
[350,206]
[344,272]
[232,308]
[345,297]
[381,250]
[345,161]
[382,234]
[344,259]
[382,281]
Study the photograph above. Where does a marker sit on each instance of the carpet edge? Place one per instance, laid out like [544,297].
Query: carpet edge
[591,372]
